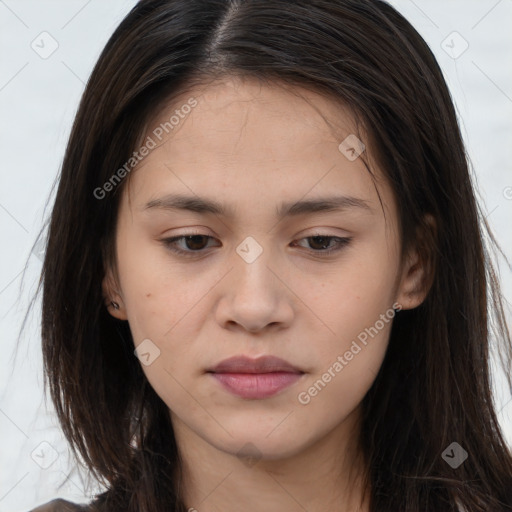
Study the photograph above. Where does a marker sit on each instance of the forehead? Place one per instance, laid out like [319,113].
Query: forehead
[253,141]
[236,105]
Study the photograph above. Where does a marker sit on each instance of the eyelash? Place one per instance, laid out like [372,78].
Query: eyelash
[169,244]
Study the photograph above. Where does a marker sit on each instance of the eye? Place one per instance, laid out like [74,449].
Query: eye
[322,244]
[192,244]
[325,245]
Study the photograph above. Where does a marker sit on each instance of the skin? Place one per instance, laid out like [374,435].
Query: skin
[250,147]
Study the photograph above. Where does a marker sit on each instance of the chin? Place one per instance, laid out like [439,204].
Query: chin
[258,444]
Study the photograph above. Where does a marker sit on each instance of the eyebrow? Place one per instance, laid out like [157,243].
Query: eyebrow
[286,209]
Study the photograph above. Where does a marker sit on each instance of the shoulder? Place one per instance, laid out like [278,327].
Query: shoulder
[61,505]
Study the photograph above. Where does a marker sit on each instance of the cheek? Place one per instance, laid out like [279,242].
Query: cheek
[330,396]
[347,363]
[163,303]
[355,302]
[353,295]
[156,293]
[161,306]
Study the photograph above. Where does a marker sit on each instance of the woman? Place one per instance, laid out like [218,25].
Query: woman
[266,285]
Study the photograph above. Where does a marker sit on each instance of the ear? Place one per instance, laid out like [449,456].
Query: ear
[112,297]
[418,270]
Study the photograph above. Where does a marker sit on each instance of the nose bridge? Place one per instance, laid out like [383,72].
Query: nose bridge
[252,273]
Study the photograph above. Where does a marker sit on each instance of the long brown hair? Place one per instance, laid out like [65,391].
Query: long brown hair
[434,387]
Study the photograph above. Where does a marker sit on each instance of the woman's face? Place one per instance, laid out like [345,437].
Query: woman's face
[291,258]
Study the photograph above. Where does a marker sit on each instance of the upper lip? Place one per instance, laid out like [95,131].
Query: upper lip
[263,364]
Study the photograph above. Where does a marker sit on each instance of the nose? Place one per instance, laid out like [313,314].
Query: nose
[255,296]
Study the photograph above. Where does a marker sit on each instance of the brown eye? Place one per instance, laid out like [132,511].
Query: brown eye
[322,244]
[190,244]
[195,242]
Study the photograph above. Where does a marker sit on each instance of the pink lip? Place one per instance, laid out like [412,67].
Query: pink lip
[255,378]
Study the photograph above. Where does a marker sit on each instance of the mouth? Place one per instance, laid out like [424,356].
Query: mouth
[255,379]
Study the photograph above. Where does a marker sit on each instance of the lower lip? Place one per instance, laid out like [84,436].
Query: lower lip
[256,385]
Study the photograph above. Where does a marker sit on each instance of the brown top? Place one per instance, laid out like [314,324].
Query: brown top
[62,506]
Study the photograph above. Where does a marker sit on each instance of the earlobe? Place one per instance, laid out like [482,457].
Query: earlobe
[112,298]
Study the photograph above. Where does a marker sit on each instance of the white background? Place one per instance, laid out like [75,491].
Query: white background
[38,99]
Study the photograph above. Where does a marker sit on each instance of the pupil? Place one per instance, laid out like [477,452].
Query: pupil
[193,239]
[322,239]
